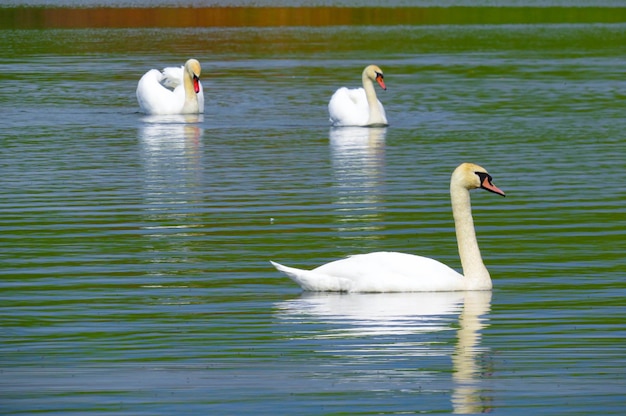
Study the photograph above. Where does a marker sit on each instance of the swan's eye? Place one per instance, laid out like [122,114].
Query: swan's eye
[378,74]
[486,182]
[484,176]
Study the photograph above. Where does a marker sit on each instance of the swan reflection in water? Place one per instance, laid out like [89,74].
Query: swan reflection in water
[170,149]
[468,368]
[402,332]
[358,159]
[170,135]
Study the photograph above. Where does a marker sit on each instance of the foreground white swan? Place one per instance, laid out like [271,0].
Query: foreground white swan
[359,106]
[172,91]
[399,272]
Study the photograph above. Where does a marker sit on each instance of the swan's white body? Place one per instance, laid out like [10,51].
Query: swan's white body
[377,272]
[172,91]
[399,272]
[359,106]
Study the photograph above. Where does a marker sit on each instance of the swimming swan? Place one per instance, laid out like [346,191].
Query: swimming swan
[172,91]
[359,106]
[399,272]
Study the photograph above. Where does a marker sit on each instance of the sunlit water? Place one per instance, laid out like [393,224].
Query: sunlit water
[135,274]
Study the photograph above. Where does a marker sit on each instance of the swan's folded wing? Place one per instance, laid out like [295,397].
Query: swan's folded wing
[348,107]
[153,97]
[172,77]
[358,97]
[393,272]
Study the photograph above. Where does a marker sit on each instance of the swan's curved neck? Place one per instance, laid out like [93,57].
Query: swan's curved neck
[476,274]
[191,99]
[372,102]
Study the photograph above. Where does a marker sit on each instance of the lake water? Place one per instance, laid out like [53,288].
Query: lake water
[135,273]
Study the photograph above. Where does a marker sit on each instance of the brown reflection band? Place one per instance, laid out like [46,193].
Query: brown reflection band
[44,18]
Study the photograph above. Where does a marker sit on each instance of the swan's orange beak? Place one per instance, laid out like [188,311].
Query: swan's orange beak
[379,79]
[196,84]
[488,185]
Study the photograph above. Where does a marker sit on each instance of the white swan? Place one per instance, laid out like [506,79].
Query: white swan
[172,91]
[399,272]
[359,106]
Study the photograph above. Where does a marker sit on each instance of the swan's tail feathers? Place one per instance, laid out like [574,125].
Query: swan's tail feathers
[297,275]
[310,280]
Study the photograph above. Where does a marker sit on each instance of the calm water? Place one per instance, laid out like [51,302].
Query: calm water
[134,251]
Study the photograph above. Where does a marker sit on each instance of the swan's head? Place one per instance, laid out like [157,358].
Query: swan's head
[471,176]
[192,66]
[374,73]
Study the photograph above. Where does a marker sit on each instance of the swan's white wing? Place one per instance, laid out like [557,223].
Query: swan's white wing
[348,107]
[172,77]
[154,98]
[394,272]
[378,272]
